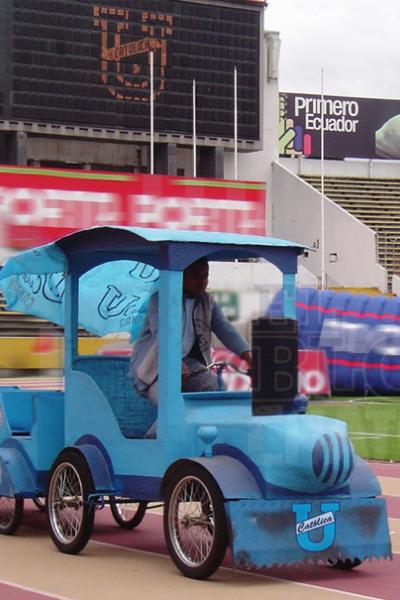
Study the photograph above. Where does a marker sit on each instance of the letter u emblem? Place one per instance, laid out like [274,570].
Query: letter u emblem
[302,512]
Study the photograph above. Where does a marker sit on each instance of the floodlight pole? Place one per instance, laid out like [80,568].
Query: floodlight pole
[194,131]
[235,122]
[323,274]
[152,113]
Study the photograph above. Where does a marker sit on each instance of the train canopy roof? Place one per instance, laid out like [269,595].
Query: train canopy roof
[120,266]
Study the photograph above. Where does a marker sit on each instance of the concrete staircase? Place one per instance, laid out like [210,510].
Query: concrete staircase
[375,202]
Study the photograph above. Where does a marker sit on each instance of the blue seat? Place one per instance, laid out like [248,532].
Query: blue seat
[134,413]
[18,409]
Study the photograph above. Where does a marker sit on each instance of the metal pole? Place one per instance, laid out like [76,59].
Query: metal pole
[323,274]
[152,113]
[235,122]
[194,131]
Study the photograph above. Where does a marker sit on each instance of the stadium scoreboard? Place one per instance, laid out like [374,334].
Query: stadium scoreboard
[87,63]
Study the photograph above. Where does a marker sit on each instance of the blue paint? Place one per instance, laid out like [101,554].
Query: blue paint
[360,335]
[139,488]
[325,520]
[264,533]
[289,282]
[275,472]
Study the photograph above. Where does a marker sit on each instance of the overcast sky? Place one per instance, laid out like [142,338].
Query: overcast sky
[356,42]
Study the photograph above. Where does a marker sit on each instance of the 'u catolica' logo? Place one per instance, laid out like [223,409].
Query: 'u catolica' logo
[305,524]
[125,60]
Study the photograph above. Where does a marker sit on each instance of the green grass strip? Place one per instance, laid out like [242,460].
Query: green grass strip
[374,427]
[67,174]
[220,184]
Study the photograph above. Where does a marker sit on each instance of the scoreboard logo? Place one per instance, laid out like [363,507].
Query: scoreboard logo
[130,79]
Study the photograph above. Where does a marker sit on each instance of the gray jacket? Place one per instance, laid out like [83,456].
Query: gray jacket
[207,318]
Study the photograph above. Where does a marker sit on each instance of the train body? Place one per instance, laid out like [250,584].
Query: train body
[278,487]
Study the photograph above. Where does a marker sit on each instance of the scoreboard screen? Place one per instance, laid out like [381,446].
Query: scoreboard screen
[87,63]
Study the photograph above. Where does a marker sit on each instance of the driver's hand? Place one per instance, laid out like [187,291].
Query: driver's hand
[248,358]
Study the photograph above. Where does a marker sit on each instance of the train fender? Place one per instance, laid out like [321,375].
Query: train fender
[233,478]
[99,466]
[16,474]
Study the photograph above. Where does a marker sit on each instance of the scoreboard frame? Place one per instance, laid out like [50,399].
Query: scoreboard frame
[17,79]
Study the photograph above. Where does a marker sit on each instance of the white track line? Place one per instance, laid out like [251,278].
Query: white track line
[33,590]
[359,435]
[273,577]
[166,556]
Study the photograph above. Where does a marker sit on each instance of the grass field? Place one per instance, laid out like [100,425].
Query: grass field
[373,423]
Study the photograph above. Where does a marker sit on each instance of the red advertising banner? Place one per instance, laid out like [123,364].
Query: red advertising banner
[313,373]
[40,205]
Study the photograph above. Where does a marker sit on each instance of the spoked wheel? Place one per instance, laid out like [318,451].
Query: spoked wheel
[195,523]
[11,513]
[70,515]
[127,514]
[345,564]
[40,503]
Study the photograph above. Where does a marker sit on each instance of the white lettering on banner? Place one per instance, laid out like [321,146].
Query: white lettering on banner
[71,209]
[343,125]
[312,382]
[59,208]
[330,106]
[339,114]
[196,213]
[221,204]
[171,212]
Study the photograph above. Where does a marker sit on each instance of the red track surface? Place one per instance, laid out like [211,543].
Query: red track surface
[384,469]
[9,592]
[375,579]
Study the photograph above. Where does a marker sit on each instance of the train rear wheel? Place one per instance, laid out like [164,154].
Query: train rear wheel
[11,513]
[70,514]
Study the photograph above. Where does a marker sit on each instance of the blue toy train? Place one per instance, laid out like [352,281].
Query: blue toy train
[278,487]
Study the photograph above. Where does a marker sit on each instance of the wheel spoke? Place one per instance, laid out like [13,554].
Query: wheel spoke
[66,503]
[11,512]
[126,510]
[7,509]
[192,521]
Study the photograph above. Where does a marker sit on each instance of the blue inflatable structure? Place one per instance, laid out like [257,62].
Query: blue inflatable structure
[359,333]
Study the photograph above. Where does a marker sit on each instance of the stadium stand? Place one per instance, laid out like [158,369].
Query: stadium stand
[369,291]
[18,324]
[29,344]
[375,202]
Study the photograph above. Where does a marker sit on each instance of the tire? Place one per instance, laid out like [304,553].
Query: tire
[11,513]
[70,516]
[127,515]
[345,564]
[40,503]
[194,512]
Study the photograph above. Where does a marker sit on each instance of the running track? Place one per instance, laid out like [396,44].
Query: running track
[118,562]
[124,564]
